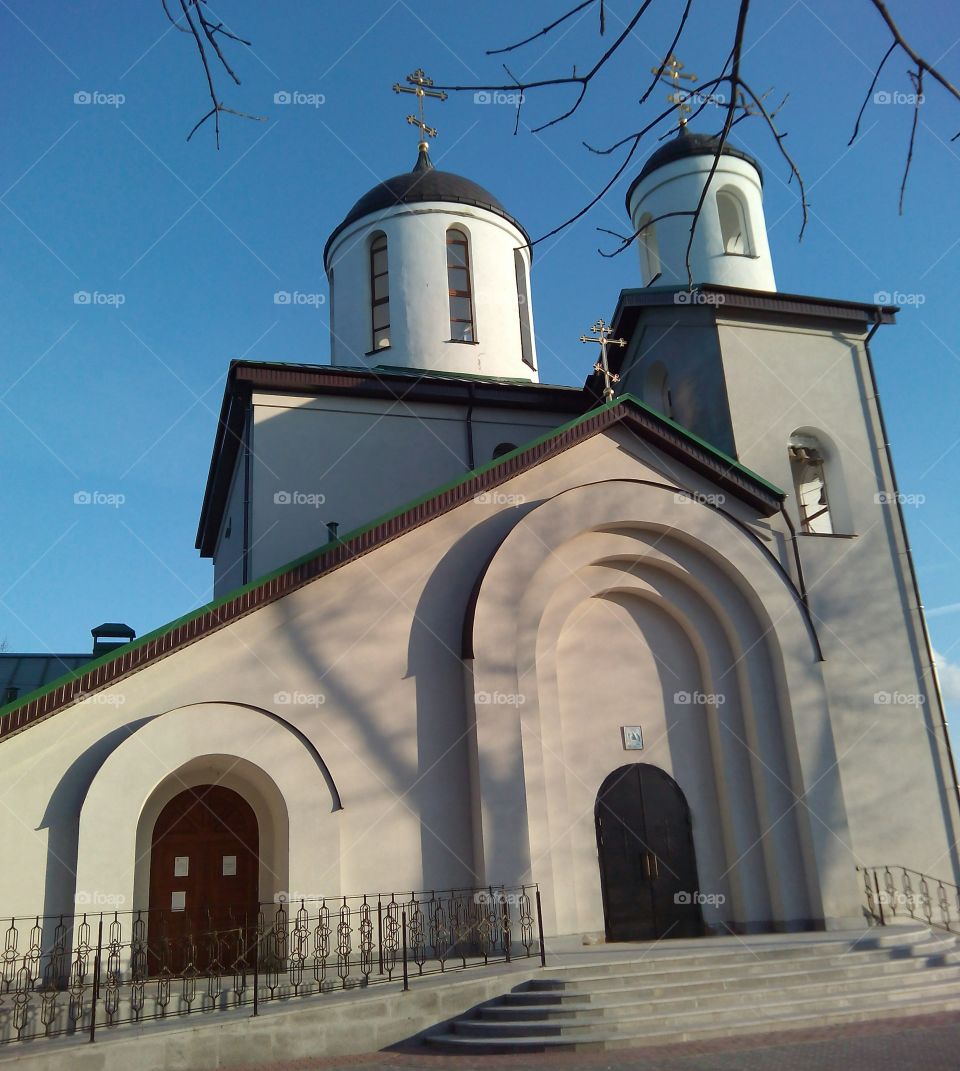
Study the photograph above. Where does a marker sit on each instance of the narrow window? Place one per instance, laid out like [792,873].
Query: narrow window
[733,224]
[810,485]
[523,306]
[459,286]
[379,293]
[649,249]
[656,389]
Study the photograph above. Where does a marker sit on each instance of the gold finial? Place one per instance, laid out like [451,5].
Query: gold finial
[670,76]
[603,339]
[420,84]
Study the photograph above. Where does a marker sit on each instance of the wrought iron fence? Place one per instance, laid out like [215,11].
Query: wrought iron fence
[898,892]
[74,974]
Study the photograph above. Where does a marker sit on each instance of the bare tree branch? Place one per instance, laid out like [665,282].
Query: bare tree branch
[917,79]
[540,33]
[866,99]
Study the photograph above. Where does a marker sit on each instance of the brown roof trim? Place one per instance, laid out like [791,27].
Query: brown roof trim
[245,377]
[738,299]
[109,670]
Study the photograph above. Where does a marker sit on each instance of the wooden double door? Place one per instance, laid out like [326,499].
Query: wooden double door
[204,878]
[648,868]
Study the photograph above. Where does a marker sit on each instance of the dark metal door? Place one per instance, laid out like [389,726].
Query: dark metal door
[648,868]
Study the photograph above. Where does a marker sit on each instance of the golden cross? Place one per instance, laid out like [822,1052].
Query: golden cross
[670,75]
[420,83]
[603,339]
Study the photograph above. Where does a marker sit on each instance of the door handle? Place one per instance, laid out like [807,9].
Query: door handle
[654,866]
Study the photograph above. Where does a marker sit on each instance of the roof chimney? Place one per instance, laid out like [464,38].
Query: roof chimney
[110,635]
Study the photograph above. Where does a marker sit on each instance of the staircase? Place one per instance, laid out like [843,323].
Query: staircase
[719,987]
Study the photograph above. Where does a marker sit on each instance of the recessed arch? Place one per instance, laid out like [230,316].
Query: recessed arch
[734,222]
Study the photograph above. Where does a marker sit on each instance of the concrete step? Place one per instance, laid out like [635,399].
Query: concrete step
[719,993]
[731,996]
[684,1013]
[603,1040]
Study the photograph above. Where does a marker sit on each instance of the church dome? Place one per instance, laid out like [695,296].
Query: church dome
[423,183]
[687,144]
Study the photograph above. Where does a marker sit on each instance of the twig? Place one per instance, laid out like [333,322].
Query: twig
[917,80]
[866,99]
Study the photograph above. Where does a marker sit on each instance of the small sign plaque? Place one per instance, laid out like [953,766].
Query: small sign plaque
[178,901]
[632,737]
[181,866]
[229,866]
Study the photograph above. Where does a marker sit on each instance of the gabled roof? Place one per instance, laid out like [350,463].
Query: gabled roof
[626,410]
[404,385]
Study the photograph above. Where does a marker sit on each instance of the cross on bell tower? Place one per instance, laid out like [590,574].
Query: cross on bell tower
[603,339]
[419,86]
[670,75]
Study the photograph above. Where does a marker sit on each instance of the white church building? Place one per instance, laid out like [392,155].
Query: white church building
[663,655]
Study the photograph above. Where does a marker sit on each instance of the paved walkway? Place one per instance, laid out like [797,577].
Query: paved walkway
[931,1043]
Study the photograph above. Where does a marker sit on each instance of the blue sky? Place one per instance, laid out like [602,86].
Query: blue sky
[108,198]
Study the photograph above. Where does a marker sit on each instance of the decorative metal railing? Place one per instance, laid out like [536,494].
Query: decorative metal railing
[898,892]
[73,975]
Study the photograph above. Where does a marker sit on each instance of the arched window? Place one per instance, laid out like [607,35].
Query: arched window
[734,230]
[649,249]
[503,448]
[379,293]
[810,485]
[523,306]
[656,389]
[460,287]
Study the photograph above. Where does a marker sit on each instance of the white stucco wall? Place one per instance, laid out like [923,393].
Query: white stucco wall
[676,187]
[419,301]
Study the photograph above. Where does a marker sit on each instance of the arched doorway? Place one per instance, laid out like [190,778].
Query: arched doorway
[204,879]
[648,869]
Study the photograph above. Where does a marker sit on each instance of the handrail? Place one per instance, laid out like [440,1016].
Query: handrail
[895,891]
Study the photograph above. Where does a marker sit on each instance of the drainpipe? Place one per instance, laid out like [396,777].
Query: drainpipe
[918,604]
[247,431]
[471,459]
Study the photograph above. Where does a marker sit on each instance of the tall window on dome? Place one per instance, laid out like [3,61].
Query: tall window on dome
[523,306]
[733,224]
[649,249]
[379,293]
[459,286]
[810,485]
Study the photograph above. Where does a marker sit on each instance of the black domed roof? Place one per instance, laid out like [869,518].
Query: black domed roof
[423,183]
[687,144]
